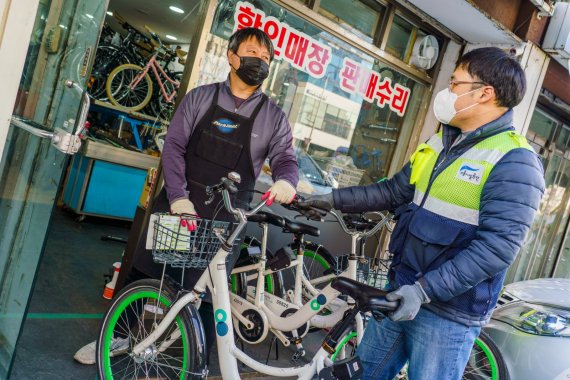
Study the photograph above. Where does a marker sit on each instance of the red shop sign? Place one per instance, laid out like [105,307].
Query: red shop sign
[300,50]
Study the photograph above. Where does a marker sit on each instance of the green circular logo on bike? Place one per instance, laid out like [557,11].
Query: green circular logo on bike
[315,305]
[220,315]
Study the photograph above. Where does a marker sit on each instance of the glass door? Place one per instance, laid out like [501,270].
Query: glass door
[49,110]
[544,247]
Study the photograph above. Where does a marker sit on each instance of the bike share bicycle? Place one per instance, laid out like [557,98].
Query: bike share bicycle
[257,311]
[165,332]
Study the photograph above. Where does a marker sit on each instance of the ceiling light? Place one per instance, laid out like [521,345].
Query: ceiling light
[110,13]
[88,15]
[176,9]
[171,37]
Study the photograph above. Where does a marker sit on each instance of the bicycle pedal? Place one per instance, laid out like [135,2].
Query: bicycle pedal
[298,355]
[326,374]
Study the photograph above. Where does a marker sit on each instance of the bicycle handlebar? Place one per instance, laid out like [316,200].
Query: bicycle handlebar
[226,187]
[385,219]
[344,225]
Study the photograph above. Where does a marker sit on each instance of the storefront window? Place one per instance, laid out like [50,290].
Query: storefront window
[400,38]
[542,248]
[359,17]
[348,111]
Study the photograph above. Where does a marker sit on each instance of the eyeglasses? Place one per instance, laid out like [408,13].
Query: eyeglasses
[453,83]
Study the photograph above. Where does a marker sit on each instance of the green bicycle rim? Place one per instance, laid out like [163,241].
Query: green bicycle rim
[321,260]
[122,306]
[313,255]
[268,282]
[494,367]
[342,344]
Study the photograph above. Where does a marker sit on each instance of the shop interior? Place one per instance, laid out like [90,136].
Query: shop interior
[106,181]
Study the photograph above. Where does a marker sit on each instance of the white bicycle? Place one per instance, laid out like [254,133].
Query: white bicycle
[164,332]
[289,318]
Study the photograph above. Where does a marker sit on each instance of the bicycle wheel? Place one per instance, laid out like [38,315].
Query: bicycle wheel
[318,262]
[132,316]
[240,281]
[108,57]
[121,92]
[159,106]
[485,361]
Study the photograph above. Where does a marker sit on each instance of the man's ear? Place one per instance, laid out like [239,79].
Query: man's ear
[487,94]
[230,55]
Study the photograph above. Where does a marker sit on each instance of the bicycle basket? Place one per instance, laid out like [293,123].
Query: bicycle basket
[174,245]
[375,276]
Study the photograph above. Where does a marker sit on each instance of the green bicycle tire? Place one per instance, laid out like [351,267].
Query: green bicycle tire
[136,298]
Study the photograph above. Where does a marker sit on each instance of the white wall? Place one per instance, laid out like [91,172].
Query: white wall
[16,26]
[447,67]
[535,63]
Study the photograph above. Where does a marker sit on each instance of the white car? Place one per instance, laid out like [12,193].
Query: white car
[528,337]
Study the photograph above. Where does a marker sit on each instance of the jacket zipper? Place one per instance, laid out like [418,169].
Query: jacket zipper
[432,178]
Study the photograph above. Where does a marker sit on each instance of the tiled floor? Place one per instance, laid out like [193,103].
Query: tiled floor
[66,304]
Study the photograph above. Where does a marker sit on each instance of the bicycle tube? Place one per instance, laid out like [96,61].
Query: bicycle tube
[141,298]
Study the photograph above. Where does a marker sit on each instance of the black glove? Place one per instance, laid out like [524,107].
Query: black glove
[316,206]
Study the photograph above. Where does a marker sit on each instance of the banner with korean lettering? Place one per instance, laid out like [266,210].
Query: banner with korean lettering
[357,79]
[313,57]
[300,50]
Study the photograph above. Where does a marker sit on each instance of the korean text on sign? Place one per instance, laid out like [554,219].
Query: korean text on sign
[302,51]
[357,79]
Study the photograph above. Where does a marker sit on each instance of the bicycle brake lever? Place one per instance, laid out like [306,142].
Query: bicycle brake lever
[211,192]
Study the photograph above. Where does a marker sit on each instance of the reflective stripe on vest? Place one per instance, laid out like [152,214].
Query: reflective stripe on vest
[456,192]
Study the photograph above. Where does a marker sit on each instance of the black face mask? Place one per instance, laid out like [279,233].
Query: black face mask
[252,70]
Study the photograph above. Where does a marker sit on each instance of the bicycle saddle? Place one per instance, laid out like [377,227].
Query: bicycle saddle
[366,297]
[295,227]
[267,217]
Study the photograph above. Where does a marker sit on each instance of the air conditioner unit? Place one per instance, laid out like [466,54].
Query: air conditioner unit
[557,38]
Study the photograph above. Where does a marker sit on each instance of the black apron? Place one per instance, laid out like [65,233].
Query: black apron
[219,144]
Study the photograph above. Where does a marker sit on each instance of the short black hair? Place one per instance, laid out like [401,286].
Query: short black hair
[499,69]
[246,33]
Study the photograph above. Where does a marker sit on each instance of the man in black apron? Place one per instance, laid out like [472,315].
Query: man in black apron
[218,128]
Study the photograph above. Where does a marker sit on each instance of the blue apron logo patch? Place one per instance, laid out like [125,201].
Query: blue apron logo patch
[225,125]
[471,172]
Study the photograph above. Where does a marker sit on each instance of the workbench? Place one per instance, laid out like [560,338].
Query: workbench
[106,181]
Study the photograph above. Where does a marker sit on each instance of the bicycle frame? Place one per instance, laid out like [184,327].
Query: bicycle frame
[156,68]
[271,307]
[215,279]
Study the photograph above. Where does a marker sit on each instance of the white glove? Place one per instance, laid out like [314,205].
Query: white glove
[281,192]
[184,206]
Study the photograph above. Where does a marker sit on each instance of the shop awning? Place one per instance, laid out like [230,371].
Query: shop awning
[467,21]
